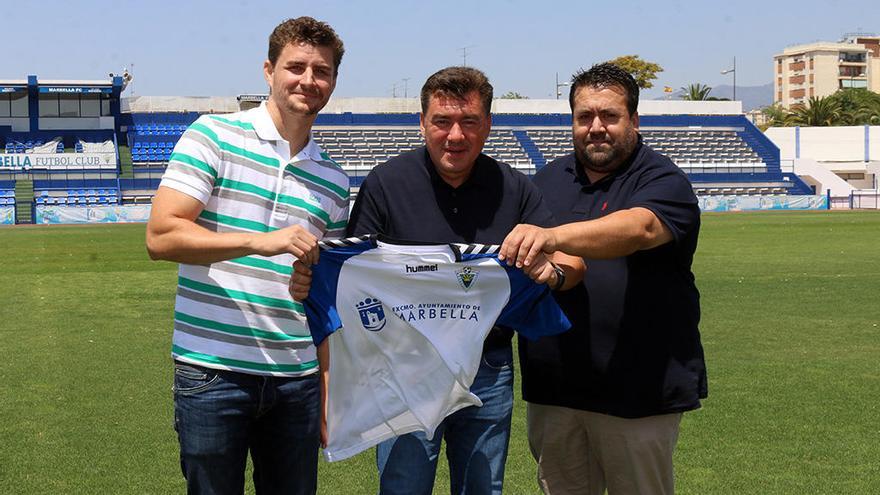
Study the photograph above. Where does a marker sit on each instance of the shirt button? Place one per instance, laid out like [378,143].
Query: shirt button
[455,210]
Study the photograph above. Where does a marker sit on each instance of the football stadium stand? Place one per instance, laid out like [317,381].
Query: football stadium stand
[76,170]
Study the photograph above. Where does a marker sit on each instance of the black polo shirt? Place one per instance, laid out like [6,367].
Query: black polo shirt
[634,349]
[405,199]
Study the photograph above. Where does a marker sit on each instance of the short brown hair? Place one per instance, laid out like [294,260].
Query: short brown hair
[305,30]
[457,82]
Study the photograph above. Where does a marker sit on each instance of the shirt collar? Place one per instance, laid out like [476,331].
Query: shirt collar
[580,173]
[266,130]
[263,124]
[311,152]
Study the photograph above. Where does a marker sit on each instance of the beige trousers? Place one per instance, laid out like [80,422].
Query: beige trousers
[581,452]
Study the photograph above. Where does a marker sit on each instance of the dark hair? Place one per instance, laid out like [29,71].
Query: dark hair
[305,30]
[606,75]
[457,82]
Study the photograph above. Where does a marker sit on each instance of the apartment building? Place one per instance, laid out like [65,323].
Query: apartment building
[820,69]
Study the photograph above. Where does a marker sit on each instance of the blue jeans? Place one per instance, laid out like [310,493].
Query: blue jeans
[476,440]
[220,415]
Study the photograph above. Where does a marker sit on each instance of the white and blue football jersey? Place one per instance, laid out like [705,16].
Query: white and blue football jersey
[406,325]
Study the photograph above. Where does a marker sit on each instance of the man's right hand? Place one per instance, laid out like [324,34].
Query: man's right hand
[523,244]
[174,235]
[300,281]
[294,240]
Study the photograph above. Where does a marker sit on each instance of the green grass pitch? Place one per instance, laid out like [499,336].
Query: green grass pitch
[790,329]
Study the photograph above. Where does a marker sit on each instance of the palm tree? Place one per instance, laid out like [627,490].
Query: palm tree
[775,116]
[872,112]
[857,106]
[696,92]
[824,111]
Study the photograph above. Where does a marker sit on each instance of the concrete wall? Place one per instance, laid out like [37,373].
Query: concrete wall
[18,124]
[201,104]
[828,144]
[838,150]
[80,123]
[411,105]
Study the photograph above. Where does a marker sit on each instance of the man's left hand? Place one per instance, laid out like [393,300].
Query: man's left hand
[300,281]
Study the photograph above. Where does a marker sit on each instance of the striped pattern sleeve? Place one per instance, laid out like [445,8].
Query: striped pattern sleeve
[194,165]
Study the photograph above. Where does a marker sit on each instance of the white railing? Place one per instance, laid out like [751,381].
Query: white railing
[722,167]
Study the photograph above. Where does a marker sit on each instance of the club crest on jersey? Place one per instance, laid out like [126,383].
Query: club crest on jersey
[466,277]
[372,314]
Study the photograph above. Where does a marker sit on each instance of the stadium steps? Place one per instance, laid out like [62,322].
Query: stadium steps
[24,201]
[531,149]
[125,163]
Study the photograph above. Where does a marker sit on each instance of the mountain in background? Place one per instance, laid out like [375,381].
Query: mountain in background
[752,97]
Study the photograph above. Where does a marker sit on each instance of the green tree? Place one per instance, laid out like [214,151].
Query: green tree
[857,106]
[643,71]
[513,95]
[775,116]
[696,92]
[824,111]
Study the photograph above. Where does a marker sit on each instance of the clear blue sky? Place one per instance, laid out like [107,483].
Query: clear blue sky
[205,48]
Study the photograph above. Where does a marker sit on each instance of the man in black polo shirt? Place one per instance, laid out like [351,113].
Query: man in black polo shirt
[448,191]
[606,398]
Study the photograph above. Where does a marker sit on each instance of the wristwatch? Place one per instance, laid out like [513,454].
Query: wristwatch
[560,276]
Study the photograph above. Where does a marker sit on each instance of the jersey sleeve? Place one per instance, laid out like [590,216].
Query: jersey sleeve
[320,306]
[532,311]
[194,163]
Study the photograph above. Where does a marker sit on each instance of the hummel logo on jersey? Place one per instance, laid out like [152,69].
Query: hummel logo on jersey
[466,277]
[421,268]
[372,314]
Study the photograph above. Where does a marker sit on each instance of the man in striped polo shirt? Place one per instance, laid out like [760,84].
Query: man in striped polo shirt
[245,195]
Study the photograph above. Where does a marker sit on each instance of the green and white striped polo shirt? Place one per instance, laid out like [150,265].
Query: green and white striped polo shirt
[238,314]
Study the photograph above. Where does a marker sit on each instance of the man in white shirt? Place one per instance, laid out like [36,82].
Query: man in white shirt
[244,196]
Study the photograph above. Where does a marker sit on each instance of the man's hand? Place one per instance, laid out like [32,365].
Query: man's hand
[523,244]
[300,281]
[324,438]
[294,240]
[541,271]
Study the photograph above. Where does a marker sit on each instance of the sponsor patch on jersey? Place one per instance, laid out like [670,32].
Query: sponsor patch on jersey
[466,277]
[421,268]
[372,314]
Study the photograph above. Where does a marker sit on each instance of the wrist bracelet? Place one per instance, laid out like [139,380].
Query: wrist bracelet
[560,276]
